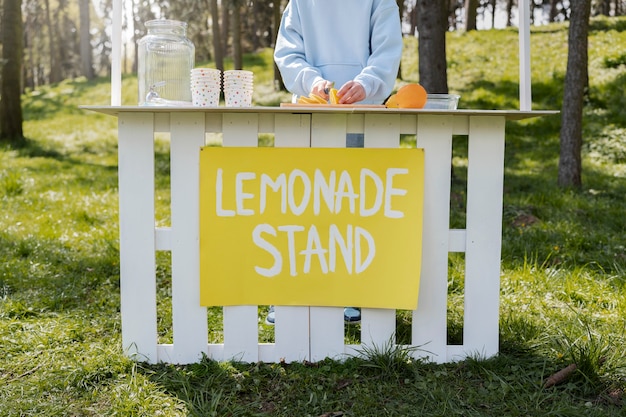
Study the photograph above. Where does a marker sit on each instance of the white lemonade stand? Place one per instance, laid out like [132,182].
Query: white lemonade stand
[309,333]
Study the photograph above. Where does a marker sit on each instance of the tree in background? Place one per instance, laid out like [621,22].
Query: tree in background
[432,25]
[86,51]
[54,75]
[606,7]
[218,51]
[471,7]
[400,4]
[55,32]
[576,86]
[196,14]
[142,12]
[10,86]
[276,17]
[235,25]
[509,9]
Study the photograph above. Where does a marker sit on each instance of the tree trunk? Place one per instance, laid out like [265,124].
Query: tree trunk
[432,26]
[451,7]
[62,27]
[413,20]
[218,51]
[226,6]
[55,64]
[576,83]
[29,56]
[253,37]
[604,7]
[509,9]
[10,85]
[400,4]
[86,54]
[278,11]
[554,11]
[470,14]
[236,28]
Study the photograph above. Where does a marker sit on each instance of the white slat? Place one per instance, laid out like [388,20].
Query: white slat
[291,334]
[378,326]
[189,318]
[161,122]
[484,235]
[163,237]
[292,131]
[326,329]
[326,323]
[291,331]
[241,334]
[382,131]
[457,239]
[137,236]
[328,130]
[240,129]
[434,134]
[355,123]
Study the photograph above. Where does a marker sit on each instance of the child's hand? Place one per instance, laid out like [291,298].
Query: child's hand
[321,88]
[351,92]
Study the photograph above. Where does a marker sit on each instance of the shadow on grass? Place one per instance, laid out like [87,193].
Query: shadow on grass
[47,101]
[35,149]
[603,24]
[367,387]
[505,95]
[30,148]
[61,277]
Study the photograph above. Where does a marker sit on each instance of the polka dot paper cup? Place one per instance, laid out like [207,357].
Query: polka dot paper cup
[238,88]
[238,97]
[206,87]
[204,73]
[241,75]
[205,94]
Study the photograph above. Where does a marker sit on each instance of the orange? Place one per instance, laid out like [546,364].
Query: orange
[411,96]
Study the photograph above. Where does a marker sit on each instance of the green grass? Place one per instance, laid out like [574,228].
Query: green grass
[563,291]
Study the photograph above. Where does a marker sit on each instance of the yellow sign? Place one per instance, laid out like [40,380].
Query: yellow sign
[311,226]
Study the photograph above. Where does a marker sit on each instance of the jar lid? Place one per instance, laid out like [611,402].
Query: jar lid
[165,23]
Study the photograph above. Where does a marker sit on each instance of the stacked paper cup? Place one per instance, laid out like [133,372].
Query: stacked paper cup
[206,87]
[238,87]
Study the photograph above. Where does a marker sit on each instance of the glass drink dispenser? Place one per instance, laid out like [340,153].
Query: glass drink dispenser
[165,60]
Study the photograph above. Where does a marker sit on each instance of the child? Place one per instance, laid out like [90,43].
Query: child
[355,44]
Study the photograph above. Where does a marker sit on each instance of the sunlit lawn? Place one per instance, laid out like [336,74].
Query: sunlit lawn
[563,291]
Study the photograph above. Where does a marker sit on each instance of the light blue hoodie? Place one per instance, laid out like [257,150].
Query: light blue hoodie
[340,40]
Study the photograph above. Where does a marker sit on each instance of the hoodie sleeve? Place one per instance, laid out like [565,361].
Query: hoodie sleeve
[289,54]
[379,76]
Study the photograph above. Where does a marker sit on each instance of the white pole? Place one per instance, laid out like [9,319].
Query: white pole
[116,54]
[525,95]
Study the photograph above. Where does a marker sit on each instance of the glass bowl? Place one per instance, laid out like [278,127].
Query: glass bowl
[442,101]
